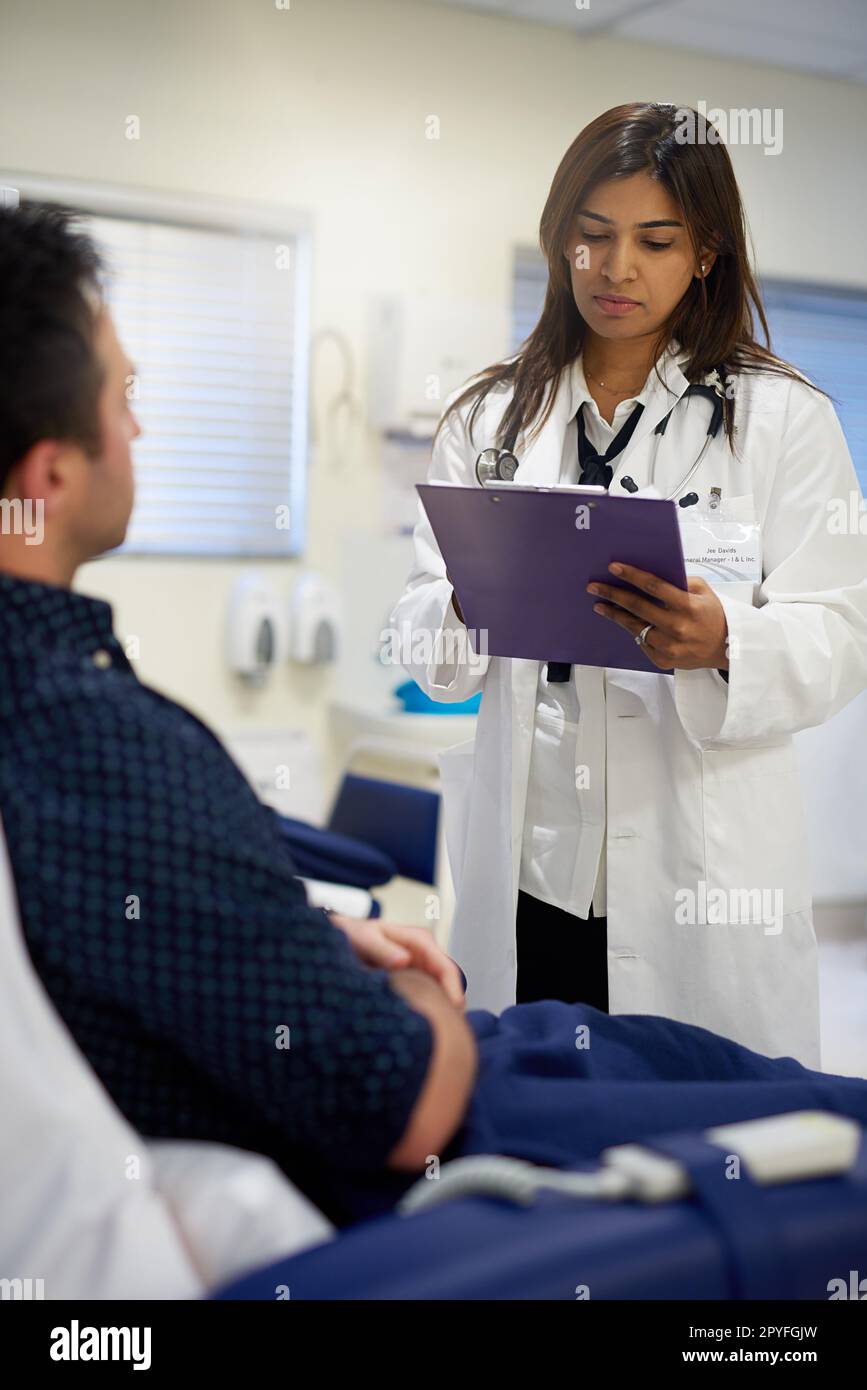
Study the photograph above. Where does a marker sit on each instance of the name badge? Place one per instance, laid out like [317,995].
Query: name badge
[721,551]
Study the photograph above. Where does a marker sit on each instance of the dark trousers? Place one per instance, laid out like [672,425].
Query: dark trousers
[561,956]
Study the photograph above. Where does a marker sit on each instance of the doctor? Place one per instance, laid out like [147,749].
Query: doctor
[636,840]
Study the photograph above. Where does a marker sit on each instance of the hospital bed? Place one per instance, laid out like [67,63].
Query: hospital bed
[92,1210]
[791,1241]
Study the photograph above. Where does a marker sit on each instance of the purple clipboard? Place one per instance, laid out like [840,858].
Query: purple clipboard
[520,559]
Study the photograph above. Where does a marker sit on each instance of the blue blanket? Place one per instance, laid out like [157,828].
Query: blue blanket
[558,1083]
[539,1096]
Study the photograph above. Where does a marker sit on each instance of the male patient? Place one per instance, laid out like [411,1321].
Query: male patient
[160,906]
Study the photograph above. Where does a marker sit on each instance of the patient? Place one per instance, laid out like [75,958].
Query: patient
[159,903]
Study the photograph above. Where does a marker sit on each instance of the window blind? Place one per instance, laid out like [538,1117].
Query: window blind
[210,318]
[823,332]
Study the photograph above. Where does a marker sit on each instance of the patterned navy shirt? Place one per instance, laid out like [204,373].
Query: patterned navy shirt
[162,913]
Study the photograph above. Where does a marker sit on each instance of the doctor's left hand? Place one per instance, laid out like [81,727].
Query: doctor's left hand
[392,946]
[689,630]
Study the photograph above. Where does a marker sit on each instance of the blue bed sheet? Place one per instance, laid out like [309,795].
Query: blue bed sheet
[558,1083]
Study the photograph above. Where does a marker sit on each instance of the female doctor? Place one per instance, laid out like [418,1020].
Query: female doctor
[630,839]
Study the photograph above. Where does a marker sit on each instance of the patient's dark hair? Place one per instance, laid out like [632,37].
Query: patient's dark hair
[50,375]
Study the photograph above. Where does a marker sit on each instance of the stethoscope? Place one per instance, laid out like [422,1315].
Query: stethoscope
[500,465]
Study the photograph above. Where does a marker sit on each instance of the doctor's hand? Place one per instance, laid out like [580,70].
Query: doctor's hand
[689,631]
[392,946]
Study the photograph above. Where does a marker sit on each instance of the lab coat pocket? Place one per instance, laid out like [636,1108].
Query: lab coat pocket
[456,777]
[755,831]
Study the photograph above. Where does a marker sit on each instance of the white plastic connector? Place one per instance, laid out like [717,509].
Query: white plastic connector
[652,1176]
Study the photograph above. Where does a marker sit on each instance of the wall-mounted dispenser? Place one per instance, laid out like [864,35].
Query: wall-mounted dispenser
[255,629]
[314,621]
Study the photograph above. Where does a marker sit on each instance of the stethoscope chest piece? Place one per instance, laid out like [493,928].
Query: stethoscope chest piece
[495,466]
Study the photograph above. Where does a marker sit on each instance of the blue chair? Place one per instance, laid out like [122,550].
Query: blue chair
[376,830]
[399,821]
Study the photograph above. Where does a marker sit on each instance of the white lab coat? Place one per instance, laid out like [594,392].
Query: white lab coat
[702,777]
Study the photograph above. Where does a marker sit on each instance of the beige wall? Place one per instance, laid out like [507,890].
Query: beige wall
[322,107]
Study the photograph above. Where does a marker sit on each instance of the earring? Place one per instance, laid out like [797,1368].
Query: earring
[703,269]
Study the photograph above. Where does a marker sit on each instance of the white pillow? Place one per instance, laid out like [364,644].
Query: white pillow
[237,1211]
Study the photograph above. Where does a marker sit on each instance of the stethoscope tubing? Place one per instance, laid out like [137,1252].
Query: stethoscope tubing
[500,465]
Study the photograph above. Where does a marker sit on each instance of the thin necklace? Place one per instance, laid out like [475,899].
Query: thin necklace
[611,389]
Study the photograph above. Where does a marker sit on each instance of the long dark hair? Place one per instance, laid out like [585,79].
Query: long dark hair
[713,320]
